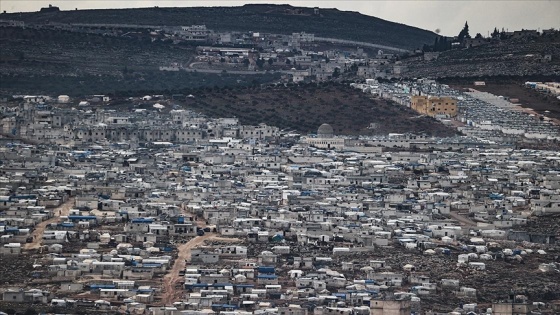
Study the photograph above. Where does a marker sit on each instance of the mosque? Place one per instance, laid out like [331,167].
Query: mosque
[325,139]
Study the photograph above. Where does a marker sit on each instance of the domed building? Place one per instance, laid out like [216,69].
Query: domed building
[325,139]
[325,131]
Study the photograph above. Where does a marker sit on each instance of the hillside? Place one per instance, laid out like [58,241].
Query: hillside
[39,61]
[513,57]
[280,19]
[41,51]
[305,107]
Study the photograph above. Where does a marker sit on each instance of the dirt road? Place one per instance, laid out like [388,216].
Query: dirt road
[462,219]
[39,230]
[171,279]
[172,293]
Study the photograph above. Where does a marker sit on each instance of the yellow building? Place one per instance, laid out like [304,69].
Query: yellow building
[434,106]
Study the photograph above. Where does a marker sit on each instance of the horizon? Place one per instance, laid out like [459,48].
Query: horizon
[480,15]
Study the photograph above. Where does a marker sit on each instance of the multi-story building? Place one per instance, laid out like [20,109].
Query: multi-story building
[195,32]
[434,106]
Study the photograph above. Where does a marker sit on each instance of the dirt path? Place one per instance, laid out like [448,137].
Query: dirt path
[462,219]
[39,230]
[171,293]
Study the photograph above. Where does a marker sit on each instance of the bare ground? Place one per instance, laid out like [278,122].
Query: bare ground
[462,219]
[172,279]
[39,230]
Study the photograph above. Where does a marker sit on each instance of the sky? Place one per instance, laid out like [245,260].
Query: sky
[446,16]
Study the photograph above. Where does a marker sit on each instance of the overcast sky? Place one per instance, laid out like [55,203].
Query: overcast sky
[448,16]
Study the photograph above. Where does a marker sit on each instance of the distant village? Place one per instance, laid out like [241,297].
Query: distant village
[305,57]
[301,57]
[161,210]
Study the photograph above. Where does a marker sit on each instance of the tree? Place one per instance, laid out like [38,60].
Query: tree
[270,61]
[464,32]
[466,29]
[336,72]
[478,36]
[288,61]
[260,62]
[495,33]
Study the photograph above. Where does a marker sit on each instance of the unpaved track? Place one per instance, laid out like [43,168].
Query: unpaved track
[462,219]
[39,230]
[170,292]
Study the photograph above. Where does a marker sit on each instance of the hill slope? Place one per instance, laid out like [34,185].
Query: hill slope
[281,19]
[512,57]
[43,61]
[305,107]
